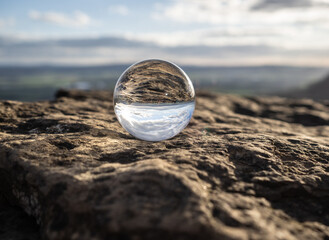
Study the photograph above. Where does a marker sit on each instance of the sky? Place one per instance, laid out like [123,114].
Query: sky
[194,32]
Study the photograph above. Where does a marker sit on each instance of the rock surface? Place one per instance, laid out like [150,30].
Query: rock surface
[245,168]
[15,224]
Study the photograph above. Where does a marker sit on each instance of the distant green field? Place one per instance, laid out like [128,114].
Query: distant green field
[41,83]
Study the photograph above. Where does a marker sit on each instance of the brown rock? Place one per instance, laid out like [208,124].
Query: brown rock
[15,224]
[245,168]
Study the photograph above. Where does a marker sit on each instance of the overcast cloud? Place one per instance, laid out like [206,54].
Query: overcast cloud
[116,50]
[76,19]
[281,4]
[213,32]
[293,24]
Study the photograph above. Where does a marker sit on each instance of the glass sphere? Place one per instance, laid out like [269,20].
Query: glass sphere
[154,100]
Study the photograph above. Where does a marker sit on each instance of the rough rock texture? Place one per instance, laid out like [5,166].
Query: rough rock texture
[15,224]
[245,168]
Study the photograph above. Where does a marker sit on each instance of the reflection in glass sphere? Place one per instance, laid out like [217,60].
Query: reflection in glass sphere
[154,100]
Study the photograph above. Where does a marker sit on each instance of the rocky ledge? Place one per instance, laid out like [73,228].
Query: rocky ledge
[244,168]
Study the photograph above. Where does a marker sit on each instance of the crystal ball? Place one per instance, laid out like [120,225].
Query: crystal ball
[154,100]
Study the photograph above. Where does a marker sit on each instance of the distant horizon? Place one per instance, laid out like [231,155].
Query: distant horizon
[38,82]
[121,64]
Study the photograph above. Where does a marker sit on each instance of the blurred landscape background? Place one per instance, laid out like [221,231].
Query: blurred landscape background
[250,47]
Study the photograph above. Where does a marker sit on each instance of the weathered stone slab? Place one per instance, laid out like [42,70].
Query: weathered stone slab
[245,168]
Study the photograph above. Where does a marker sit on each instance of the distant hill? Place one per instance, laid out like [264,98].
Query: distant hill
[32,83]
[318,90]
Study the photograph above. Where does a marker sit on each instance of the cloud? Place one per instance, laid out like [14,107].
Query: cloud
[199,11]
[77,19]
[119,9]
[100,42]
[280,4]
[274,5]
[237,12]
[295,24]
[116,50]
[283,37]
[7,22]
